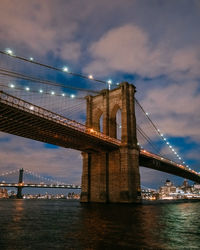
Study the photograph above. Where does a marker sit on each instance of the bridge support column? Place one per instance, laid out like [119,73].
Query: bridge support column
[20,182]
[112,176]
[95,177]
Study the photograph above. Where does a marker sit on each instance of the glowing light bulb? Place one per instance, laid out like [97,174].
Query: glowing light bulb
[147,113]
[31,108]
[12,85]
[117,83]
[41,91]
[52,93]
[27,88]
[167,143]
[165,139]
[63,94]
[31,58]
[72,96]
[109,84]
[9,52]
[90,77]
[65,69]
[161,134]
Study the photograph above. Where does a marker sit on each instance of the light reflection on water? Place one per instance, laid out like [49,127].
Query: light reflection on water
[62,224]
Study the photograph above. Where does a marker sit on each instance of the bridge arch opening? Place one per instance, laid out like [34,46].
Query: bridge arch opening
[101,123]
[115,122]
[98,120]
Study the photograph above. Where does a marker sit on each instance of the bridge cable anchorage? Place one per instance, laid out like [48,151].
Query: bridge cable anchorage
[15,74]
[159,133]
[90,77]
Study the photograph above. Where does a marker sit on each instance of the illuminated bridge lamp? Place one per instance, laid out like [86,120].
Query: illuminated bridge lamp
[109,83]
[65,69]
[9,51]
[90,77]
[12,86]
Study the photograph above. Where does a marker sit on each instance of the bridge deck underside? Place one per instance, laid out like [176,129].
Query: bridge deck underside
[149,162]
[28,125]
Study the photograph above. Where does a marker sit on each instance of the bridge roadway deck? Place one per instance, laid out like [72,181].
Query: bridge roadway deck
[24,119]
[159,163]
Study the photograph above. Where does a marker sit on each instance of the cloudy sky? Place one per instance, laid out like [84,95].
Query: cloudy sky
[151,43]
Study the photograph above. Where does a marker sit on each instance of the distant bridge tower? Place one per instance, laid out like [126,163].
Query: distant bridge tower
[112,176]
[20,184]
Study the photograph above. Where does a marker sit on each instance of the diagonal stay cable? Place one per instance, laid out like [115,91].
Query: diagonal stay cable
[14,74]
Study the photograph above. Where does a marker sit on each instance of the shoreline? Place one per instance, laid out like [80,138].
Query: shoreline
[149,202]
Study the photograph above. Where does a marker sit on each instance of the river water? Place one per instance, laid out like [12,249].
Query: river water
[63,224]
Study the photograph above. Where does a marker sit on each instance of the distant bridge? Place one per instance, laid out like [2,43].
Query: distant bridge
[30,185]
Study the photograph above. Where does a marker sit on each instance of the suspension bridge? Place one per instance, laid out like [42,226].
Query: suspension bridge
[44,182]
[112,143]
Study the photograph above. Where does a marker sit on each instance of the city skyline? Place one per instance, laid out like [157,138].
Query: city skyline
[154,46]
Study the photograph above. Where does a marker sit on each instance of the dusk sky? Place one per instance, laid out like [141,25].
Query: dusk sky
[153,44]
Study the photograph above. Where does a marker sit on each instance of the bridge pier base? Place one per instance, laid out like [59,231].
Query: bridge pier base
[111,177]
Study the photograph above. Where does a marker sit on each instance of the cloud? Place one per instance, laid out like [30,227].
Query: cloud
[60,163]
[33,26]
[176,109]
[129,49]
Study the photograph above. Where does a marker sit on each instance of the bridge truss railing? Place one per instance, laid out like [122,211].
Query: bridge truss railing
[44,113]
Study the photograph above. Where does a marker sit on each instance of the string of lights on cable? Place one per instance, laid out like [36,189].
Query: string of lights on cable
[41,91]
[15,74]
[162,135]
[64,69]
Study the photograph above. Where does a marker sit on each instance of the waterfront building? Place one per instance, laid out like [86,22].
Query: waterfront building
[3,193]
[168,191]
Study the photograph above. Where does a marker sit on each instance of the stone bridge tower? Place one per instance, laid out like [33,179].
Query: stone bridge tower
[112,176]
